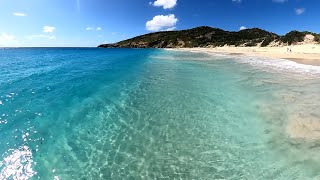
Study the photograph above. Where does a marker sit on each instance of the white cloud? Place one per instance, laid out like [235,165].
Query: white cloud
[41,36]
[89,28]
[7,37]
[19,14]
[243,28]
[166,4]
[8,40]
[161,22]
[48,29]
[299,11]
[279,1]
[93,28]
[170,29]
[237,1]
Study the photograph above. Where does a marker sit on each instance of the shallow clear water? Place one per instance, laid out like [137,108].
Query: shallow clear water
[69,113]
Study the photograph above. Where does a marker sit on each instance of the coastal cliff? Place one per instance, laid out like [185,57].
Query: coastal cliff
[205,36]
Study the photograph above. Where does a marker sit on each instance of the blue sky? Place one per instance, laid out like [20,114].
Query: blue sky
[92,22]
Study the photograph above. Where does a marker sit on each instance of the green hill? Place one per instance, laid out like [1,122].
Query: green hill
[205,36]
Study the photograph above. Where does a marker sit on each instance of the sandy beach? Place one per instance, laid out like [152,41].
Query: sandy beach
[304,54]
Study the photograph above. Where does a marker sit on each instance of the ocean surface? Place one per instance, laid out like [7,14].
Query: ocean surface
[87,113]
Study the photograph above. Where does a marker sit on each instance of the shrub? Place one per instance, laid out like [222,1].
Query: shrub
[317,38]
[293,37]
[266,41]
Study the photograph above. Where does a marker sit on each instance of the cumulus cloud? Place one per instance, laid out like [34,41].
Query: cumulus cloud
[98,28]
[48,29]
[19,14]
[166,4]
[8,40]
[299,11]
[41,36]
[243,28]
[162,23]
[170,29]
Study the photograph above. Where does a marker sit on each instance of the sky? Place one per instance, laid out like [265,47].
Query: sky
[88,23]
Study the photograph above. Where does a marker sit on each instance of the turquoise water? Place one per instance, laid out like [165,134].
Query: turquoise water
[87,113]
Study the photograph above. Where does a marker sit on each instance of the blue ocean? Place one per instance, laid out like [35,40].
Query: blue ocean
[88,113]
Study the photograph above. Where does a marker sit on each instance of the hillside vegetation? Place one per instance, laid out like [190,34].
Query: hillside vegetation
[205,36]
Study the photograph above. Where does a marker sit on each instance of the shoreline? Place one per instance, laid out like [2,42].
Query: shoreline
[308,54]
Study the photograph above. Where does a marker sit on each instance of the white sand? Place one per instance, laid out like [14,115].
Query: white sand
[305,54]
